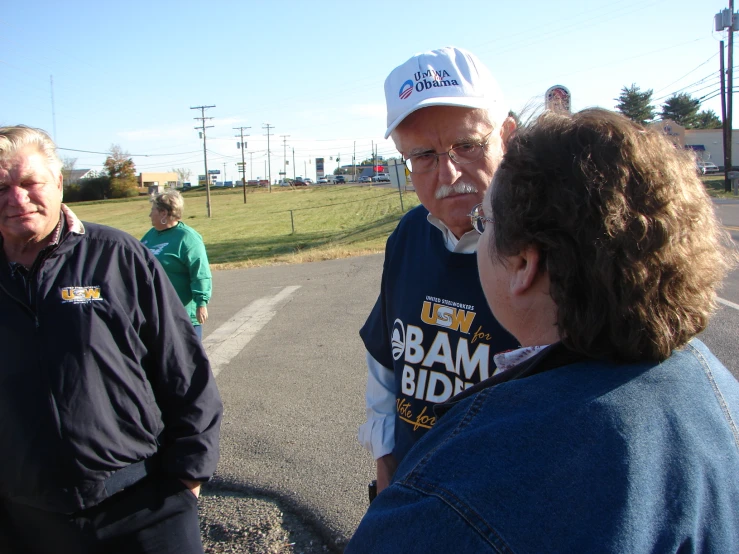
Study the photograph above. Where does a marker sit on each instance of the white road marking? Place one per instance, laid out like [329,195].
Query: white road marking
[727,303]
[230,338]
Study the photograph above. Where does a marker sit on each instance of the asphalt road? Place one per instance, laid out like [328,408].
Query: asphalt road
[722,335]
[294,394]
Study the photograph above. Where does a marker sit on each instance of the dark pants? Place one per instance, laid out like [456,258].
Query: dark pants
[156,515]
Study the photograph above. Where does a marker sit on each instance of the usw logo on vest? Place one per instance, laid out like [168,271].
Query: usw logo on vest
[448,317]
[81,295]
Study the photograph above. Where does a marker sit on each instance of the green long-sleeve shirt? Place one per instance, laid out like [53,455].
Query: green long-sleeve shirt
[181,252]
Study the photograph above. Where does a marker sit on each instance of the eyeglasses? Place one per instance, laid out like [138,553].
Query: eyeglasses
[478,219]
[465,153]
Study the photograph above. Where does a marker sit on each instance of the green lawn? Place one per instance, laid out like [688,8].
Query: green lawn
[330,222]
[715,186]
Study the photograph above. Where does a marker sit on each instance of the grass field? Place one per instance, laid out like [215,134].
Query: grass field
[329,221]
[715,186]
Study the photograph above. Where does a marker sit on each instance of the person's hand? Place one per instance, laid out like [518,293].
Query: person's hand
[386,467]
[194,486]
[201,314]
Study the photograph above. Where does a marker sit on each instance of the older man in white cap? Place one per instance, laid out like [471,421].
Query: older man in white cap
[431,334]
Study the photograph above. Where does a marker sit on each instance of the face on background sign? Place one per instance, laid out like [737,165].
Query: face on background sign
[437,129]
[30,197]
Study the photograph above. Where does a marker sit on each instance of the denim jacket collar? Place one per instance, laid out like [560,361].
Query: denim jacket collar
[553,356]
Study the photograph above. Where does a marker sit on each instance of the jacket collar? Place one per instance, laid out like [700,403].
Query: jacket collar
[553,356]
[74,225]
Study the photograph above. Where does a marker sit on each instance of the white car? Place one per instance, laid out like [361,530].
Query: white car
[704,167]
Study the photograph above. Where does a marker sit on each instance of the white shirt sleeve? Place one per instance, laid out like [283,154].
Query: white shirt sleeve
[377,434]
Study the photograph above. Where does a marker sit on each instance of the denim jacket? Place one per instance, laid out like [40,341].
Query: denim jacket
[586,456]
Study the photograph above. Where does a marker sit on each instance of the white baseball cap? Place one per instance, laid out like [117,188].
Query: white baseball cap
[446,77]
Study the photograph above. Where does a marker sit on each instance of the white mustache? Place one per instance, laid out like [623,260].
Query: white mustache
[458,188]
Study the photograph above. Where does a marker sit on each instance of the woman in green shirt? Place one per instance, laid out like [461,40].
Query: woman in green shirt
[181,252]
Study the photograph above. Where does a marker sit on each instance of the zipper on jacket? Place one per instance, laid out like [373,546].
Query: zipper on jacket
[23,305]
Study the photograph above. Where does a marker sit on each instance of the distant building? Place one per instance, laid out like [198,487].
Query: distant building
[708,144]
[73,176]
[153,183]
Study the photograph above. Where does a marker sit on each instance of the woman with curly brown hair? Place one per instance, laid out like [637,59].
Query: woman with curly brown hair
[612,428]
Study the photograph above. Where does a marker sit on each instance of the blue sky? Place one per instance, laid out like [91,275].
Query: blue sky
[128,73]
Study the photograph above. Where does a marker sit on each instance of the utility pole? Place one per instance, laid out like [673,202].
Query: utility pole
[251,166]
[202,128]
[725,132]
[374,159]
[729,91]
[374,162]
[224,172]
[728,20]
[284,156]
[354,161]
[293,164]
[242,144]
[269,161]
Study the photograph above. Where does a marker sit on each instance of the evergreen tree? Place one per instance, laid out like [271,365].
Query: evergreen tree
[635,104]
[708,120]
[682,109]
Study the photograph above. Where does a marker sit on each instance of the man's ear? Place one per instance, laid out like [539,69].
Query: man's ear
[506,130]
[525,268]
[61,184]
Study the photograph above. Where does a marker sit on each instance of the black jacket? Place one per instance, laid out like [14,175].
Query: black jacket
[101,368]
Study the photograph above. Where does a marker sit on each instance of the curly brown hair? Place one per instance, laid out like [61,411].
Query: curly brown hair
[625,228]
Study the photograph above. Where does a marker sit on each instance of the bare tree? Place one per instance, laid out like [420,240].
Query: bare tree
[182,174]
[67,169]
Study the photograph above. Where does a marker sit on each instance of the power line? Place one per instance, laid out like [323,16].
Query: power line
[140,155]
[688,73]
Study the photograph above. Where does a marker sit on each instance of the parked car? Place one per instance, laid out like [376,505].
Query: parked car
[299,183]
[339,179]
[322,181]
[308,180]
[704,167]
[365,179]
[381,178]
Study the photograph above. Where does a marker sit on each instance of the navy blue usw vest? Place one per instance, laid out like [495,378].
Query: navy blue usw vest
[431,325]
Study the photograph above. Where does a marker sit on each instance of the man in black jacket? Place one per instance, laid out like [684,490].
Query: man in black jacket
[109,413]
